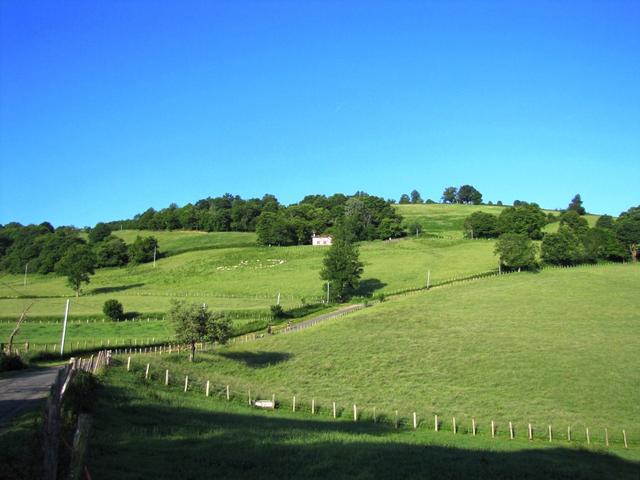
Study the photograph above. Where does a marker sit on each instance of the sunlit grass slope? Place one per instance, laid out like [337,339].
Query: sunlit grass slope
[559,347]
[248,277]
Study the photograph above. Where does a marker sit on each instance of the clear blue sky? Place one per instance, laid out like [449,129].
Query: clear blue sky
[108,108]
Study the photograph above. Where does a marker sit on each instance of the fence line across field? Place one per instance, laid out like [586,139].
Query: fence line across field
[355,412]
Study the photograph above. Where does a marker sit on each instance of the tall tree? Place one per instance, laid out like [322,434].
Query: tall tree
[195,323]
[526,218]
[77,264]
[99,232]
[415,197]
[449,195]
[628,230]
[142,249]
[404,199]
[516,251]
[562,248]
[576,205]
[342,268]
[469,195]
[481,225]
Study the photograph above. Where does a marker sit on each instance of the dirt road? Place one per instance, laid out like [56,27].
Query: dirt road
[23,390]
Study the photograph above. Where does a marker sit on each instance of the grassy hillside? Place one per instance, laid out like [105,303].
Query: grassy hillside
[161,432]
[559,347]
[249,277]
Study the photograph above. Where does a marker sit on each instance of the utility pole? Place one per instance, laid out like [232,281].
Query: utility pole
[64,327]
[26,268]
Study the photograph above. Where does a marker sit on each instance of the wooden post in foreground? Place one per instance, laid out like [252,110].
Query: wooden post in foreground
[453,425]
[529,432]
[606,437]
[227,393]
[293,404]
[550,434]
[186,383]
[493,429]
[624,437]
[146,372]
[166,377]
[569,433]
[415,421]
[511,430]
[207,393]
[355,413]
[473,426]
[80,441]
[128,364]
[588,436]
[334,409]
[313,406]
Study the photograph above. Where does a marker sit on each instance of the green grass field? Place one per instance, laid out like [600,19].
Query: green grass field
[143,430]
[559,347]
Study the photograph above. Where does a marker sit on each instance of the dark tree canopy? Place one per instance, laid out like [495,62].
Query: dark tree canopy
[415,197]
[481,225]
[77,265]
[342,268]
[449,195]
[99,232]
[195,323]
[606,222]
[468,194]
[602,244]
[576,205]
[526,218]
[627,230]
[562,248]
[573,220]
[113,309]
[516,251]
[142,249]
[112,252]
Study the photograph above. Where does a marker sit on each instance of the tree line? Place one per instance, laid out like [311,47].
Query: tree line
[574,243]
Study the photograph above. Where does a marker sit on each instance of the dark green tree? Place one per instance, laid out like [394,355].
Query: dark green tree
[415,197]
[602,244]
[468,194]
[99,232]
[562,248]
[195,323]
[112,252]
[142,249]
[606,222]
[390,228]
[481,225]
[574,221]
[628,230]
[113,309]
[516,251]
[449,195]
[342,268]
[527,218]
[576,205]
[77,264]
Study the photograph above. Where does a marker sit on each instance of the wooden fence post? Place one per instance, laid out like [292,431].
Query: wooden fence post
[550,434]
[569,433]
[624,437]
[529,432]
[453,425]
[166,377]
[128,364]
[493,429]
[186,383]
[146,372]
[249,397]
[374,415]
[606,437]
[334,409]
[355,413]
[294,403]
[313,406]
[473,426]
[227,393]
[80,441]
[511,430]
[52,426]
[396,422]
[588,437]
[435,425]
[207,394]
[415,421]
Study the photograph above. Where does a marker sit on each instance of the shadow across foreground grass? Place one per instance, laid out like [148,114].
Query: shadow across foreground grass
[257,359]
[145,432]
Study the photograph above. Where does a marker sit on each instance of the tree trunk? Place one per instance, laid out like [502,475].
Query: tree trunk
[192,353]
[634,252]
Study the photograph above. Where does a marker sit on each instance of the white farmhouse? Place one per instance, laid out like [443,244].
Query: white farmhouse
[321,239]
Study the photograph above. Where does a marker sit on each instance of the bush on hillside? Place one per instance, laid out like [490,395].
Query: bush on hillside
[113,309]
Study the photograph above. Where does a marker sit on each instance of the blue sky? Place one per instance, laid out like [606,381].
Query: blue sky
[108,108]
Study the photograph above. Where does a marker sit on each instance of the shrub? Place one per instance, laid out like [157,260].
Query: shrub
[113,309]
[79,397]
[380,297]
[277,311]
[10,361]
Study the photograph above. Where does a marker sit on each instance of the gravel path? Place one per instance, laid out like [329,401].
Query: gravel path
[23,390]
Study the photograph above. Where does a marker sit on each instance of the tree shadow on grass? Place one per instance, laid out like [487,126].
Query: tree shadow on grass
[257,359]
[368,286]
[231,444]
[119,288]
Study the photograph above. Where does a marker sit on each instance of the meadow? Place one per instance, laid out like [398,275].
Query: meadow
[143,429]
[558,347]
